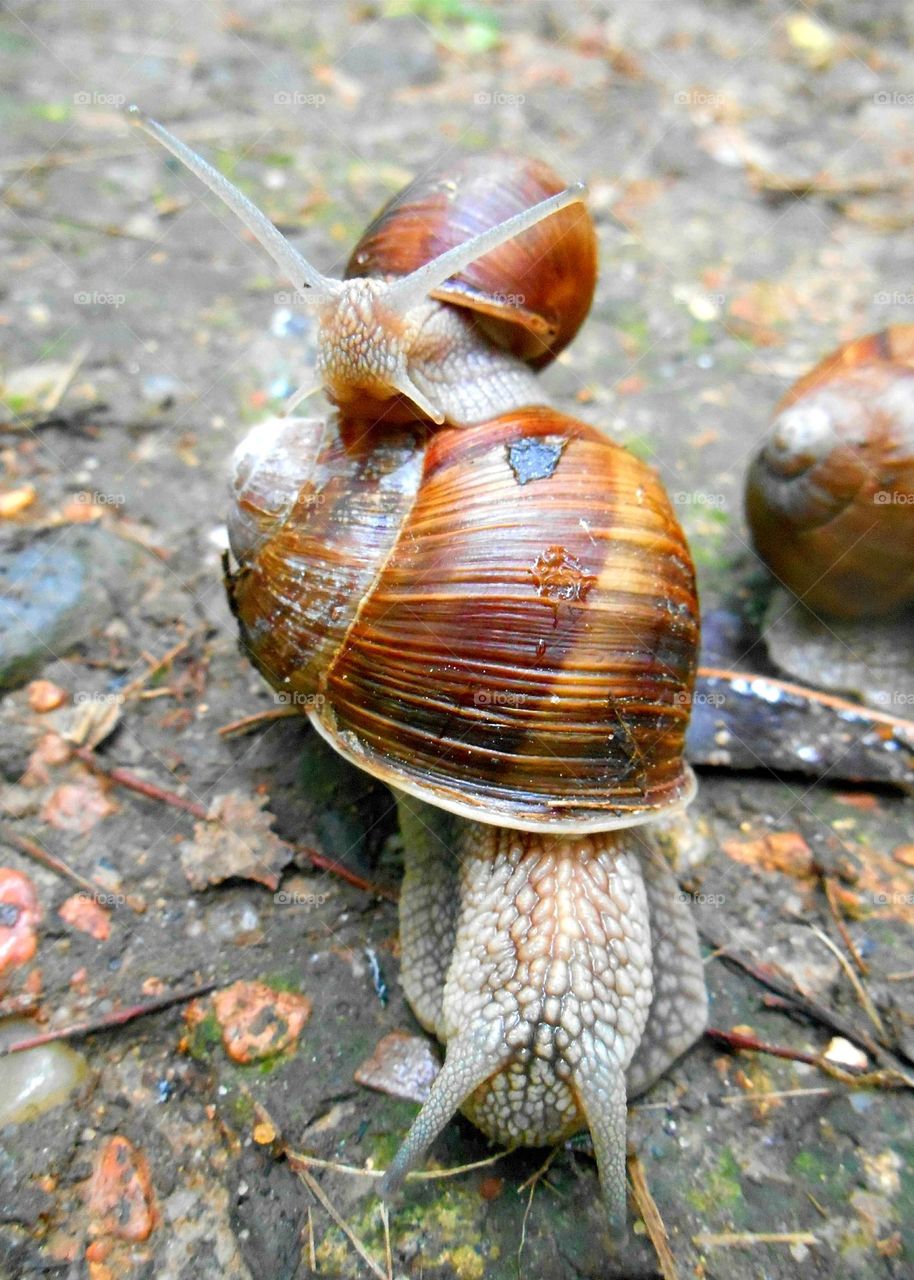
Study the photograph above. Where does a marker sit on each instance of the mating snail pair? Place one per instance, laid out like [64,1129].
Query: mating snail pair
[498,608]
[499,612]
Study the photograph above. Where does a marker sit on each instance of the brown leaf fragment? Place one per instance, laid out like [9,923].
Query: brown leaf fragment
[403,1066]
[236,840]
[783,851]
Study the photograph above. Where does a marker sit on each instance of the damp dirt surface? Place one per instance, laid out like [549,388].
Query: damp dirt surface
[748,169]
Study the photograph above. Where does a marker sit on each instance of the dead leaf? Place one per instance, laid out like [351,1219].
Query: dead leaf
[94,720]
[904,853]
[403,1066]
[783,851]
[50,751]
[236,840]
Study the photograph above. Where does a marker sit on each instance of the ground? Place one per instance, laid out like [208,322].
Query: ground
[748,172]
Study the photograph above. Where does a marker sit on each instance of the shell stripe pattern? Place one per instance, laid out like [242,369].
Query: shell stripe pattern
[547,680]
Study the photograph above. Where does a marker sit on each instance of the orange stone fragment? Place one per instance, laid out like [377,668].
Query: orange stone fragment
[85,914]
[258,1022]
[44,695]
[19,914]
[121,1198]
[14,501]
[78,806]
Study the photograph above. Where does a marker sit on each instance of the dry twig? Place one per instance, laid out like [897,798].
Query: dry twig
[77,1030]
[653,1222]
[32,849]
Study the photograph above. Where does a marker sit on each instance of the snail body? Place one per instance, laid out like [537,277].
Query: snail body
[497,618]
[830,496]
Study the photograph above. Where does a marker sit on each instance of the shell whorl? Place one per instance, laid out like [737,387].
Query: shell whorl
[830,496]
[480,641]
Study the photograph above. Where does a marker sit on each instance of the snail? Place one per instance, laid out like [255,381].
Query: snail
[498,619]
[830,496]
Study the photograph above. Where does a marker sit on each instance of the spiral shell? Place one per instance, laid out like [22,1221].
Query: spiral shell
[532,294]
[501,620]
[830,496]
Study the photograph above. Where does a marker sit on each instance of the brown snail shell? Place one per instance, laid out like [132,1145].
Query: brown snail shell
[532,294]
[830,496]
[432,604]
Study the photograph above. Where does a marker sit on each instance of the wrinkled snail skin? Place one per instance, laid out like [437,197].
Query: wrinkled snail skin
[496,617]
[830,496]
[562,972]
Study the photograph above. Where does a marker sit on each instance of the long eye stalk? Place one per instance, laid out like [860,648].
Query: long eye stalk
[298,270]
[410,290]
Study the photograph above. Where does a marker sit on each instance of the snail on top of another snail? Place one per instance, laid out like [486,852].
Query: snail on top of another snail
[830,496]
[499,614]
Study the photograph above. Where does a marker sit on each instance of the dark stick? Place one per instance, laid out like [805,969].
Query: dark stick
[124,778]
[77,1030]
[32,849]
[798,1002]
[323,863]
[737,1040]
